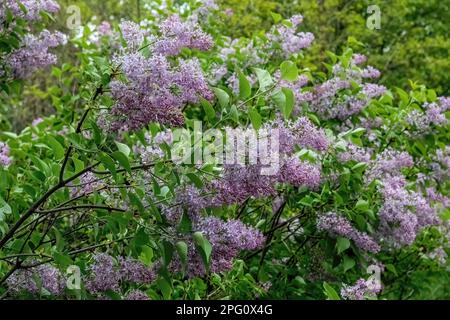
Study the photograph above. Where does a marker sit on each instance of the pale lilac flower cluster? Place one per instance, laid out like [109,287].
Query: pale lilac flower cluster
[439,255]
[5,159]
[441,165]
[301,132]
[404,213]
[105,29]
[388,163]
[33,8]
[300,173]
[332,99]
[432,114]
[290,40]
[340,226]
[136,295]
[88,184]
[34,53]
[187,199]
[361,290]
[152,150]
[176,35]
[49,279]
[355,153]
[158,88]
[106,274]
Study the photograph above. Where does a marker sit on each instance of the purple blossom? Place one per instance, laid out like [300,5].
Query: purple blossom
[104,28]
[371,73]
[49,278]
[5,159]
[358,59]
[339,226]
[134,271]
[361,290]
[34,53]
[288,38]
[132,34]
[156,92]
[104,275]
[33,8]
[227,240]
[136,295]
[373,90]
[88,184]
[299,173]
[176,35]
[355,153]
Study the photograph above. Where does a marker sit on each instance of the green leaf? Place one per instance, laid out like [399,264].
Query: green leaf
[289,71]
[362,205]
[208,108]
[56,147]
[165,288]
[290,100]
[255,118]
[123,148]
[108,163]
[122,159]
[245,89]
[4,209]
[222,96]
[264,78]
[276,17]
[182,250]
[348,263]
[342,244]
[146,255]
[330,292]
[195,179]
[204,247]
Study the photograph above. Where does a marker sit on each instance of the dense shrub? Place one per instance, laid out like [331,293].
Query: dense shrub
[348,201]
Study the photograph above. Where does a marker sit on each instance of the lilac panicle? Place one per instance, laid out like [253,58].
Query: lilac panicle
[338,225]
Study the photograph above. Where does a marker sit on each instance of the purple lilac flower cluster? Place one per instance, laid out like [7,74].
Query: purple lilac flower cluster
[433,113]
[388,163]
[106,274]
[34,54]
[176,35]
[49,279]
[339,226]
[404,213]
[5,159]
[227,239]
[290,40]
[88,184]
[325,100]
[441,165]
[157,89]
[355,153]
[33,8]
[361,290]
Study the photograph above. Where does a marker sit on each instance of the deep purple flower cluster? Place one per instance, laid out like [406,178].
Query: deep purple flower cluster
[300,173]
[339,226]
[361,290]
[5,159]
[227,239]
[34,53]
[48,278]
